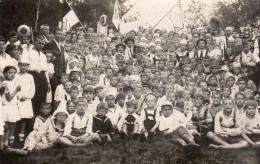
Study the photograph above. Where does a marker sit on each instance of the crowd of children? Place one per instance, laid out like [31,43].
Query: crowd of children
[189,87]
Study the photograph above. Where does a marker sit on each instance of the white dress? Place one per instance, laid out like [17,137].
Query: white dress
[27,90]
[2,123]
[10,108]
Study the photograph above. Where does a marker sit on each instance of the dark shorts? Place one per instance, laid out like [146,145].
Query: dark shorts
[254,137]
[178,133]
[231,139]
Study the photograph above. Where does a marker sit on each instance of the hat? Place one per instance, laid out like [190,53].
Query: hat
[61,109]
[24,30]
[143,39]
[88,89]
[134,78]
[120,45]
[224,68]
[199,93]
[229,28]
[251,103]
[102,106]
[166,103]
[99,88]
[129,39]
[183,42]
[157,40]
[158,48]
[75,69]
[111,93]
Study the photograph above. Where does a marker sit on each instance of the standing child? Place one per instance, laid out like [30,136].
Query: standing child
[50,72]
[27,92]
[2,123]
[10,107]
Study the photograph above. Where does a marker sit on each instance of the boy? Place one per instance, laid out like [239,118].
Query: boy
[88,94]
[130,124]
[171,124]
[240,103]
[250,124]
[227,128]
[78,128]
[101,123]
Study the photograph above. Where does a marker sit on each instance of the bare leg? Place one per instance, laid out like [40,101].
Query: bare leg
[12,129]
[66,141]
[212,136]
[180,142]
[188,138]
[247,139]
[241,144]
[23,122]
[6,134]
[92,137]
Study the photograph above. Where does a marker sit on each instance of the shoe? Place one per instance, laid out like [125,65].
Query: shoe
[21,137]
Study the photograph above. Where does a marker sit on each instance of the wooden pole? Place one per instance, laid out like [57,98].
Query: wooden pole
[38,12]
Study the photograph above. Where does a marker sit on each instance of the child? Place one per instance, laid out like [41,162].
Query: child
[50,72]
[2,123]
[88,94]
[150,117]
[227,128]
[71,107]
[10,107]
[226,92]
[48,134]
[78,128]
[171,124]
[59,92]
[130,124]
[45,113]
[25,95]
[240,103]
[102,124]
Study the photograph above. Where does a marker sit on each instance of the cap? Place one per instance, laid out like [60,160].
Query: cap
[61,109]
[251,103]
[166,103]
[120,45]
[183,42]
[199,93]
[151,44]
[157,40]
[224,68]
[236,64]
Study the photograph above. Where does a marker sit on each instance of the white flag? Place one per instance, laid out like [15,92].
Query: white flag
[116,15]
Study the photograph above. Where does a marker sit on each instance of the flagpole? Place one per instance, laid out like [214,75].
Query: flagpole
[77,16]
[163,17]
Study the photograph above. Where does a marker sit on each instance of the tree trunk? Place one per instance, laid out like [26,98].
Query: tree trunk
[37,15]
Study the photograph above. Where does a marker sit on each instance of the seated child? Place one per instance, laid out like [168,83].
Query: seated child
[47,135]
[250,123]
[227,128]
[171,124]
[130,125]
[149,116]
[78,128]
[101,123]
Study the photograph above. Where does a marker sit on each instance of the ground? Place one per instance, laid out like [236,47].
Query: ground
[159,152]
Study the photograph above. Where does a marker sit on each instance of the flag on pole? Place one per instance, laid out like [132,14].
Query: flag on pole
[116,15]
[69,18]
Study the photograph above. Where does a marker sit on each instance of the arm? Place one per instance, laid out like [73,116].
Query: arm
[237,129]
[10,96]
[90,123]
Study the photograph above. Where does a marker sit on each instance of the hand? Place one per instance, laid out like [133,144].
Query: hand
[73,138]
[81,138]
[152,131]
[18,88]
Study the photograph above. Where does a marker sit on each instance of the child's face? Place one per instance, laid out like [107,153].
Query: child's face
[228,105]
[74,93]
[102,112]
[10,74]
[60,117]
[46,110]
[110,101]
[206,62]
[167,111]
[250,110]
[199,68]
[249,94]
[81,107]
[178,73]
[244,73]
[121,101]
[144,79]
[75,75]
[71,108]
[23,67]
[88,95]
[67,86]
[130,109]
[48,56]
[129,93]
[242,85]
[89,74]
[226,92]
[230,82]
[113,81]
[212,81]
[95,81]
[201,45]
[203,85]
[180,99]
[171,80]
[216,98]
[236,70]
[64,79]
[150,102]
[198,101]
[137,93]
[146,90]
[109,73]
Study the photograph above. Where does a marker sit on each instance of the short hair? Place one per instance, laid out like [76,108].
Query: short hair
[9,48]
[74,88]
[81,99]
[45,104]
[240,93]
[179,93]
[132,103]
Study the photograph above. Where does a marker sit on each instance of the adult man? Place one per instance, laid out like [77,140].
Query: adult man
[45,30]
[59,62]
[37,68]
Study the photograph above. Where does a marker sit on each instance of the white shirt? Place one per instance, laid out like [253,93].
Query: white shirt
[114,114]
[38,60]
[86,121]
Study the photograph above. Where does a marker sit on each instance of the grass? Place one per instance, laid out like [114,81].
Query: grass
[161,151]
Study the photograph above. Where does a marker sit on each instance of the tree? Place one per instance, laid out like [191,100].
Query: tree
[238,13]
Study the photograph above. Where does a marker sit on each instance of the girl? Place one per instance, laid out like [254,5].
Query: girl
[50,72]
[10,107]
[149,117]
[27,92]
[2,123]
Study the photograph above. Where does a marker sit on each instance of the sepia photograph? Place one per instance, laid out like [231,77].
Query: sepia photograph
[129,82]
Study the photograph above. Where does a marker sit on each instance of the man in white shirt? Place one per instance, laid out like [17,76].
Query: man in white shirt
[37,68]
